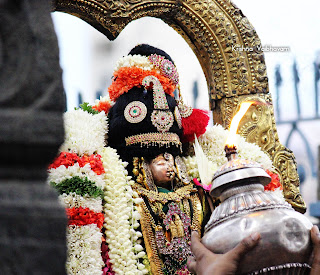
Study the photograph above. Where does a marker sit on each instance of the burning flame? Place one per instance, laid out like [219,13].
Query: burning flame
[231,140]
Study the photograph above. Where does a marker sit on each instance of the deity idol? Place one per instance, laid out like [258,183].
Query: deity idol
[147,125]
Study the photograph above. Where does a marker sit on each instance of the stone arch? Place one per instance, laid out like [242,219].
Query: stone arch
[228,49]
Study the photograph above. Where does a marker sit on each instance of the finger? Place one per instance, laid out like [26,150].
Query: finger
[244,246]
[197,248]
[315,238]
[192,265]
[195,243]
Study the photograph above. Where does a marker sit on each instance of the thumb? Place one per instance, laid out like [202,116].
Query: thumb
[197,248]
[244,246]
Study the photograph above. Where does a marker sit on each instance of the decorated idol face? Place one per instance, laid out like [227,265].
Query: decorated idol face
[162,169]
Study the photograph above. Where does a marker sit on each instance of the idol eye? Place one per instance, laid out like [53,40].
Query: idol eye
[135,112]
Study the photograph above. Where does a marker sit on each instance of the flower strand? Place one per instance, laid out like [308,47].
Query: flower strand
[120,221]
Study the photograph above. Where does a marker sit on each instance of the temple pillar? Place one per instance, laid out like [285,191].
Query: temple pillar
[32,223]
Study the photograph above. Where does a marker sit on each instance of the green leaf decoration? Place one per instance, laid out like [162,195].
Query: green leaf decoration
[87,108]
[79,186]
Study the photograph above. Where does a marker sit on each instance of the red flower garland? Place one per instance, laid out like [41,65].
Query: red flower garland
[275,182]
[83,216]
[128,77]
[69,159]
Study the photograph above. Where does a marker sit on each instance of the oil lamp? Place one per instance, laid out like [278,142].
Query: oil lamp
[285,246]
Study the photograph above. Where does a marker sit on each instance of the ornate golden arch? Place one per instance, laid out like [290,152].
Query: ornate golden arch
[218,33]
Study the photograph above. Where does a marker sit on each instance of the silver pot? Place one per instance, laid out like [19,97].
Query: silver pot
[284,247]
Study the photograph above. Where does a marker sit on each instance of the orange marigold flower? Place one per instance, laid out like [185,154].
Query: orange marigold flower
[128,77]
[103,105]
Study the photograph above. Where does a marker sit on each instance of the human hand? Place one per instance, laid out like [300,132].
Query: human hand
[206,262]
[315,238]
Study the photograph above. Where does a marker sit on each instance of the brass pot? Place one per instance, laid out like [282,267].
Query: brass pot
[285,245]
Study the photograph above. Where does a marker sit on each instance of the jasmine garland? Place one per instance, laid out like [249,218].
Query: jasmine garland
[121,217]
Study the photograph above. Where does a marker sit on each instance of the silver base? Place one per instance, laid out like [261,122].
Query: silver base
[287,269]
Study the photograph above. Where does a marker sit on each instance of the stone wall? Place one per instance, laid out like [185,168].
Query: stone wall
[32,223]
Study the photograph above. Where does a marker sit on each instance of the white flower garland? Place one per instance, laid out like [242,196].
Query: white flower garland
[61,173]
[136,60]
[84,132]
[73,200]
[121,217]
[212,143]
[84,250]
